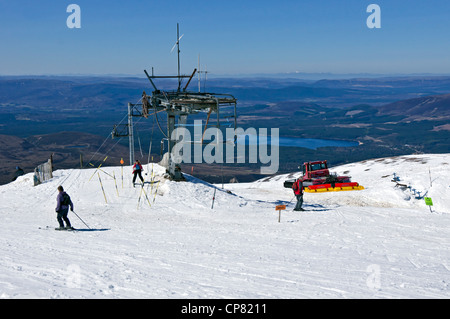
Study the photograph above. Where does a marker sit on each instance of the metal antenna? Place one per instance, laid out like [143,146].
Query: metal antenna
[177,44]
[206,78]
[199,76]
[178,49]
[199,73]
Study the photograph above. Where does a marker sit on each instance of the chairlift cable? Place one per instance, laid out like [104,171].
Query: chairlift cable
[151,141]
[159,125]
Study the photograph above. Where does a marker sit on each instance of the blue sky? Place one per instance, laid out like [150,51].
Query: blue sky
[232,37]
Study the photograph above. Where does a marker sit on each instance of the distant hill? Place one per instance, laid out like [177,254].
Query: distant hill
[292,92]
[388,116]
[91,93]
[412,84]
[436,107]
[67,93]
[66,148]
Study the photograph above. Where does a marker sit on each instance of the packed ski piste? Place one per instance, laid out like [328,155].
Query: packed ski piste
[387,238]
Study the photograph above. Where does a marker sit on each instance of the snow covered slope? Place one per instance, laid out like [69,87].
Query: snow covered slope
[384,180]
[168,242]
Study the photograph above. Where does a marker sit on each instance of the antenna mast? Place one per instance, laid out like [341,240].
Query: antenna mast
[178,49]
[199,73]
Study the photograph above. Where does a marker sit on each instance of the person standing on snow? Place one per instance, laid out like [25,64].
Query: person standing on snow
[298,191]
[137,170]
[63,202]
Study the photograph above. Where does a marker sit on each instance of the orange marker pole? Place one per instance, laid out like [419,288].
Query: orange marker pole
[121,164]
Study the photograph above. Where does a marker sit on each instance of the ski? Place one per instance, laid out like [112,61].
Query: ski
[65,229]
[57,228]
[141,184]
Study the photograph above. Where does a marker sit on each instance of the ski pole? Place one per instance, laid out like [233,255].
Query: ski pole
[81,220]
[291,200]
[214,197]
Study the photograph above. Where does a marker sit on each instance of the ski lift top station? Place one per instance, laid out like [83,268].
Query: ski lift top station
[177,104]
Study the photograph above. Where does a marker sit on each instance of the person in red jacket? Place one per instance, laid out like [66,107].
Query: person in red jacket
[298,191]
[137,170]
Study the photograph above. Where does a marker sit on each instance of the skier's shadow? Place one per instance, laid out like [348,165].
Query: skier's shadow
[92,229]
[317,207]
[308,207]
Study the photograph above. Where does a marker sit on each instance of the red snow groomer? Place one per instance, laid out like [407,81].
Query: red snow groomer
[317,179]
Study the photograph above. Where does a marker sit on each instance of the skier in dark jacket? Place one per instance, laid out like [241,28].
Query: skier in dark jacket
[298,191]
[63,202]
